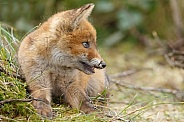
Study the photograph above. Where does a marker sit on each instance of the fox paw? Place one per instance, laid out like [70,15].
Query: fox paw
[87,107]
[44,109]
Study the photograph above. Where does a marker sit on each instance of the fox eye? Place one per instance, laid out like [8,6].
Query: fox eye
[86,44]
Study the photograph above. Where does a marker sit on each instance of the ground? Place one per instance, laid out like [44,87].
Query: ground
[148,70]
[140,68]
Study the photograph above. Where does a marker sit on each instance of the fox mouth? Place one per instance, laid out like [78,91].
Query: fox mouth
[87,68]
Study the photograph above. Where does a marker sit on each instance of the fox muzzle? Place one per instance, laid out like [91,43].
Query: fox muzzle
[97,63]
[102,65]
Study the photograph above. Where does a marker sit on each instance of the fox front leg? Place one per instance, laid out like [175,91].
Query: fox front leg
[77,98]
[40,89]
[42,102]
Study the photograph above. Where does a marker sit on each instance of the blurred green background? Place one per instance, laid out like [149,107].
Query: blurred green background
[116,21]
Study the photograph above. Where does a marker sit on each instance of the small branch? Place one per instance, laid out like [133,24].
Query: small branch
[172,56]
[116,118]
[18,100]
[3,118]
[146,88]
[125,73]
[175,58]
[178,44]
[179,94]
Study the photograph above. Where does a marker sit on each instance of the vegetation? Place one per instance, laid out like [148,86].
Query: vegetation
[122,18]
[133,35]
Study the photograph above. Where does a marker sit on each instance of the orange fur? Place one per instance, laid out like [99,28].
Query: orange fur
[56,62]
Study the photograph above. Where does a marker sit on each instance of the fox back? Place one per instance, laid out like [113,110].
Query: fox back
[60,59]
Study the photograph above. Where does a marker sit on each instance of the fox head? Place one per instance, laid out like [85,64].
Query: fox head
[75,40]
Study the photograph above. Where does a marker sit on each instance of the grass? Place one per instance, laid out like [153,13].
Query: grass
[13,88]
[124,104]
[10,86]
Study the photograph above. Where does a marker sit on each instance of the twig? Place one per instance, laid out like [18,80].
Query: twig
[172,56]
[116,118]
[179,94]
[18,100]
[3,118]
[176,52]
[125,73]
[175,58]
[177,44]
[146,88]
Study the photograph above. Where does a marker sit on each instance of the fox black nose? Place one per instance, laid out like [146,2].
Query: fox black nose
[102,64]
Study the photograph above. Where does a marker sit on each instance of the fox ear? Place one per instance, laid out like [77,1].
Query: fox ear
[82,13]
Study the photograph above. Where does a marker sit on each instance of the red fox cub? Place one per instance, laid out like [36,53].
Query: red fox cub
[60,59]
